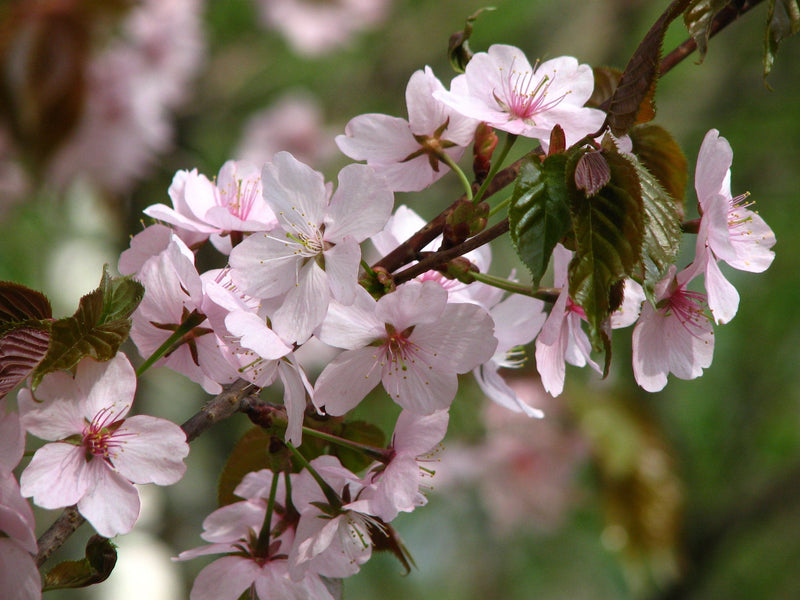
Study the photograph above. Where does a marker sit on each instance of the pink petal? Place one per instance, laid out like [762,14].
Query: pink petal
[56,476]
[416,434]
[19,576]
[152,450]
[58,414]
[347,379]
[111,504]
[723,299]
[262,267]
[377,138]
[420,388]
[225,579]
[294,191]
[360,206]
[108,385]
[341,265]
[305,305]
[713,163]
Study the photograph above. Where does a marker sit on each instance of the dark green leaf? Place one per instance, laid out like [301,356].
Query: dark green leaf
[361,432]
[458,50]
[97,328]
[539,212]
[101,557]
[662,156]
[633,100]
[783,21]
[698,21]
[608,229]
[662,229]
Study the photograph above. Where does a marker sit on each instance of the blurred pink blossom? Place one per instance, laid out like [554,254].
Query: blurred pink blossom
[313,28]
[133,85]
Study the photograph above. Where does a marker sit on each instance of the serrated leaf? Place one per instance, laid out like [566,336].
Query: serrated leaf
[21,350]
[663,158]
[633,100]
[251,453]
[361,432]
[783,21]
[608,229]
[662,229]
[19,303]
[606,80]
[539,212]
[101,557]
[697,19]
[97,328]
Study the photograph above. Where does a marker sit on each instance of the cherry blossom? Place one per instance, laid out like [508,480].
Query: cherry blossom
[518,319]
[231,204]
[407,153]
[729,231]
[313,28]
[562,339]
[501,88]
[97,452]
[336,541]
[19,576]
[314,254]
[174,296]
[412,340]
[674,336]
[396,486]
[235,530]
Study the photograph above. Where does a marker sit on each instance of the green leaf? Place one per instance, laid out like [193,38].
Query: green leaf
[662,156]
[633,100]
[363,433]
[783,21]
[698,21]
[97,328]
[608,229]
[539,212]
[662,229]
[101,557]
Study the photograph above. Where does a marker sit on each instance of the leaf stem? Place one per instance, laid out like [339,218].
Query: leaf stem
[330,494]
[262,545]
[545,294]
[510,139]
[448,160]
[371,451]
[193,320]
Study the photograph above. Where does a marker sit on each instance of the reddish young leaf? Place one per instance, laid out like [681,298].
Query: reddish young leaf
[19,303]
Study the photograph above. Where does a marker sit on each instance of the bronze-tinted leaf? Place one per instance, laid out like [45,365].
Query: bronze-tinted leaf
[249,454]
[633,100]
[458,50]
[662,156]
[21,350]
[101,557]
[19,303]
[783,21]
[97,328]
[606,80]
[592,172]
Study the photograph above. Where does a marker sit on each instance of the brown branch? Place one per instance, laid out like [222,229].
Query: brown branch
[721,20]
[439,258]
[231,400]
[409,250]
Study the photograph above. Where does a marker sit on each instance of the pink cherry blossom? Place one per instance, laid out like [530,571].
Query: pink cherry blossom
[313,28]
[562,339]
[314,254]
[174,294]
[674,336]
[406,153]
[501,88]
[729,231]
[518,320]
[412,340]
[337,542]
[234,530]
[98,453]
[19,576]
[398,485]
[233,203]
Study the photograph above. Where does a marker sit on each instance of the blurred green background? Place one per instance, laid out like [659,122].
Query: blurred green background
[690,493]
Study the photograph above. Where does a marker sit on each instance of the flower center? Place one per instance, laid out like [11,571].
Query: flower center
[240,199]
[100,437]
[689,308]
[524,95]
